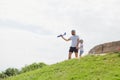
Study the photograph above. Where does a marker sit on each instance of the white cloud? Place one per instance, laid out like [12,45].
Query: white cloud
[20,26]
[61,14]
[96,21]
[20,47]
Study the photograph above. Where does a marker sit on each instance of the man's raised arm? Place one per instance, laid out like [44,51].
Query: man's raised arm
[65,38]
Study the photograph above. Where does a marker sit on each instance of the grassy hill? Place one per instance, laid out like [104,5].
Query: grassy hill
[91,67]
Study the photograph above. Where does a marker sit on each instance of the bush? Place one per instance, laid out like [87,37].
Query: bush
[11,72]
[32,67]
[2,75]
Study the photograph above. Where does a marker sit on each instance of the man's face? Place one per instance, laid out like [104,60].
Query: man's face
[73,32]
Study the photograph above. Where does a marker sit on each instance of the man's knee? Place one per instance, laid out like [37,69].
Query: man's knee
[76,54]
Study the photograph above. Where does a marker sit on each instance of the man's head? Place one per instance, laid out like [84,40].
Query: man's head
[73,32]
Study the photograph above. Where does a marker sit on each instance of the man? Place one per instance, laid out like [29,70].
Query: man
[74,45]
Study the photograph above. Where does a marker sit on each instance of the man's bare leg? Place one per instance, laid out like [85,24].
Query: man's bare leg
[70,54]
[76,55]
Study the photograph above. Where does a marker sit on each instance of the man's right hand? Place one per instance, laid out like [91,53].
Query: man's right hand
[61,35]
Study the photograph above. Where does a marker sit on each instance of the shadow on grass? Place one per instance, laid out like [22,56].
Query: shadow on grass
[118,54]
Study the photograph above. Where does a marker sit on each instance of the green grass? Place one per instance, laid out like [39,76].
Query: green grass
[91,67]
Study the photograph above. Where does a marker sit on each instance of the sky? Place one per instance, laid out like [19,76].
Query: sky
[28,28]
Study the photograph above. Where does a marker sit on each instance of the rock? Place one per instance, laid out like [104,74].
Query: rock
[106,48]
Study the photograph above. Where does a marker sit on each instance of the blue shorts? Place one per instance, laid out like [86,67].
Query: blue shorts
[81,52]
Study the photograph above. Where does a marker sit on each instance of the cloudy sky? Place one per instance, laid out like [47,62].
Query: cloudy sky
[28,28]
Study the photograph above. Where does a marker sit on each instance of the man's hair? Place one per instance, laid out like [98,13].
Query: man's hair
[73,31]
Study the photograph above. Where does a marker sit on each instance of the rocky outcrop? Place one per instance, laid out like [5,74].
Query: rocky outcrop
[106,48]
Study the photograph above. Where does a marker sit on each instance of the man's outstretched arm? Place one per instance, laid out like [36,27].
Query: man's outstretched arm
[65,38]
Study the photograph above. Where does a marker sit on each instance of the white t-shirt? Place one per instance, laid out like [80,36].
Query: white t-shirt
[81,47]
[74,39]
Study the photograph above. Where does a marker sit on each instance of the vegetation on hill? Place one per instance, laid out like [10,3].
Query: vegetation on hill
[13,71]
[91,67]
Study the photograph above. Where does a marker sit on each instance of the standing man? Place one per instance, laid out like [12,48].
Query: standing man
[74,45]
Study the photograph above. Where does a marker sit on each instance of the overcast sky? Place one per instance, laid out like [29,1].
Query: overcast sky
[28,28]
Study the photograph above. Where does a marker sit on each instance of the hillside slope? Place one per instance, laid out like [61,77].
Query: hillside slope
[91,67]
